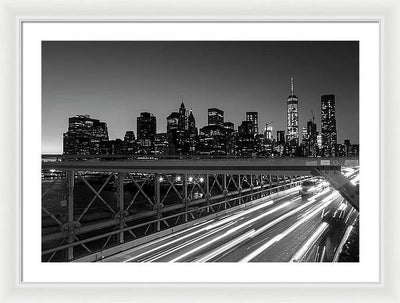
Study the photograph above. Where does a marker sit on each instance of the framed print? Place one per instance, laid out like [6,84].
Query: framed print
[187,188]
[202,154]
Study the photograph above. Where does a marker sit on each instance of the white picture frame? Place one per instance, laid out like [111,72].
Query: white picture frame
[13,290]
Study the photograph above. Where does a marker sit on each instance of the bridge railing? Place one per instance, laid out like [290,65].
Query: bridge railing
[84,212]
[65,157]
[62,157]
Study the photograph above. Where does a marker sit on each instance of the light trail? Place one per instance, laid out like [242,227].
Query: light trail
[168,237]
[342,243]
[227,246]
[229,232]
[252,209]
[237,235]
[277,238]
[311,189]
[309,243]
[241,214]
[283,217]
[259,217]
[323,254]
[267,226]
[331,196]
[348,216]
[183,245]
[325,191]
[355,180]
[348,173]
[168,243]
[208,227]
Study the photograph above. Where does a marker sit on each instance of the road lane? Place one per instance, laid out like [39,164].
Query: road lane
[174,239]
[273,230]
[261,221]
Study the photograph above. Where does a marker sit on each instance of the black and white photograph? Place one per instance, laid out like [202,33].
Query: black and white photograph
[200,151]
[206,151]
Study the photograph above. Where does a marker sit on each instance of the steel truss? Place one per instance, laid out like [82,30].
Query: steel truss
[129,205]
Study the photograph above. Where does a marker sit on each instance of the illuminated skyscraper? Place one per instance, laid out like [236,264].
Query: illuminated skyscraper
[192,135]
[229,126]
[328,124]
[253,117]
[182,125]
[246,143]
[312,132]
[84,135]
[172,131]
[192,129]
[173,122]
[292,117]
[215,117]
[129,143]
[319,141]
[268,132]
[305,134]
[310,140]
[146,127]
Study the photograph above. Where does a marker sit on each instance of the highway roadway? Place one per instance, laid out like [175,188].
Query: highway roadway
[281,228]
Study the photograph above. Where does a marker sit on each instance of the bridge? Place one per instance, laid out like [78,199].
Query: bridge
[112,205]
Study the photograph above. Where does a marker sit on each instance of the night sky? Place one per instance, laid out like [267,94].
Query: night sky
[116,80]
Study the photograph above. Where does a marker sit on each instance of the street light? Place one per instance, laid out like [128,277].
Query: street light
[201,180]
[190,179]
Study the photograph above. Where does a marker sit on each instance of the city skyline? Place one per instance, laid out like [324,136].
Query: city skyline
[64,97]
[87,136]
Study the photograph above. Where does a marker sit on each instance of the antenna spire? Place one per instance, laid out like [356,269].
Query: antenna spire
[182,105]
[292,85]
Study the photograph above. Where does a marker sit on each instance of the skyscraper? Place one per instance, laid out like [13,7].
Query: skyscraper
[328,124]
[280,136]
[182,125]
[192,134]
[215,117]
[161,143]
[305,144]
[246,141]
[268,132]
[312,132]
[230,138]
[246,128]
[84,135]
[292,117]
[253,117]
[319,141]
[146,127]
[229,126]
[173,122]
[172,131]
[129,136]
[192,129]
[311,142]
[304,133]
[129,143]
[212,140]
